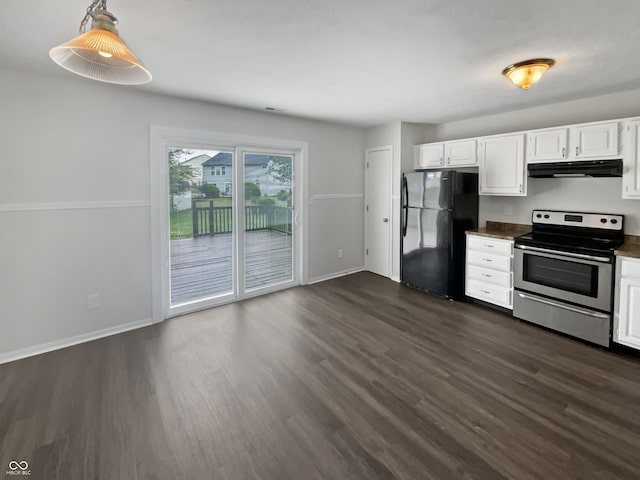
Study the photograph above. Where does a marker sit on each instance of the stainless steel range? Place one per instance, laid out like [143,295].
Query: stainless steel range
[564,273]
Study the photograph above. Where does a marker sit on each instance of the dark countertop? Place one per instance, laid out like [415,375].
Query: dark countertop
[631,247]
[503,231]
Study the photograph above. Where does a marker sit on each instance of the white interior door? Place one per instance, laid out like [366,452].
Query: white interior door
[378,210]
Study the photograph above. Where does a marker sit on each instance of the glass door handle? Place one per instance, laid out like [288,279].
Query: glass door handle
[385,220]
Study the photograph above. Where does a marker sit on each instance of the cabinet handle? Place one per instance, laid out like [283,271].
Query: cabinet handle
[520,188]
[488,260]
[488,246]
[577,150]
[484,291]
[563,152]
[488,276]
[448,160]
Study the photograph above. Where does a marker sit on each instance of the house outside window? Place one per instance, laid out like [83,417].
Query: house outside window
[218,171]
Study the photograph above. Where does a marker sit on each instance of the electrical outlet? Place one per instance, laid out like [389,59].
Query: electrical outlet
[339,253]
[93,301]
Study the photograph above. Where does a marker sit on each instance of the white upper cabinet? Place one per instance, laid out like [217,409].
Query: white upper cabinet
[549,145]
[502,159]
[595,141]
[430,155]
[631,175]
[462,153]
[502,165]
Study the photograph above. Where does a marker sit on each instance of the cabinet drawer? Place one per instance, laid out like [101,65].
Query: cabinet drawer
[630,268]
[495,277]
[489,260]
[484,244]
[489,293]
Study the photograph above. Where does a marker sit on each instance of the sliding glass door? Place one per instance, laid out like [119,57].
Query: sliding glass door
[231,224]
[268,221]
[201,223]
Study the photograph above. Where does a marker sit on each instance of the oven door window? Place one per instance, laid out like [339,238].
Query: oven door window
[564,275]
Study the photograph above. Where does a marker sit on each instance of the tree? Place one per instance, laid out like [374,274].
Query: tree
[180,175]
[280,168]
[251,191]
[210,190]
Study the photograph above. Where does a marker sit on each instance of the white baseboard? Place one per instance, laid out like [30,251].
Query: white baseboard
[68,342]
[395,279]
[324,278]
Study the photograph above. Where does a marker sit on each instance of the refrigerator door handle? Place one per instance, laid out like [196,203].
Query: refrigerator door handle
[405,206]
[406,220]
[405,192]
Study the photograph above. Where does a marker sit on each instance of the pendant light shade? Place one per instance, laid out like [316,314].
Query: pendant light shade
[100,54]
[524,74]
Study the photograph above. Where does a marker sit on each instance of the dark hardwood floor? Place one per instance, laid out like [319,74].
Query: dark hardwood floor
[354,378]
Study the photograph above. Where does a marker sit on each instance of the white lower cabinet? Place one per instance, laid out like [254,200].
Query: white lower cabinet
[489,275]
[626,323]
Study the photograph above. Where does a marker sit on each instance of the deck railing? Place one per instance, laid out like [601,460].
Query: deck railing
[210,220]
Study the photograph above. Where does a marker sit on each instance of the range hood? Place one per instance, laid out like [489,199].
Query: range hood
[594,168]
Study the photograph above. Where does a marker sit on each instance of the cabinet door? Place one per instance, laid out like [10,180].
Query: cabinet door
[547,145]
[502,169]
[628,331]
[597,141]
[631,175]
[462,154]
[429,156]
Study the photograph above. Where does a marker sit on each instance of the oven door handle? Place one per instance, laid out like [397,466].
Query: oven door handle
[564,254]
[562,305]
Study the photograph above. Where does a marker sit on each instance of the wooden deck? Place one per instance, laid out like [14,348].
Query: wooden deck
[202,267]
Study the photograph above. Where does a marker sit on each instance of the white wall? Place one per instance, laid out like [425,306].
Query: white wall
[75,196]
[581,194]
[402,136]
[605,107]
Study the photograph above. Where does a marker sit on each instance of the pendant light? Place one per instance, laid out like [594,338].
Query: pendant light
[100,54]
[524,74]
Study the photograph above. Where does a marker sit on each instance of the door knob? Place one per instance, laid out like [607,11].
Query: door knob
[385,220]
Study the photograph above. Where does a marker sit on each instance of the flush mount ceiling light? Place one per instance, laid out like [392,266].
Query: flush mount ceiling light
[100,54]
[524,74]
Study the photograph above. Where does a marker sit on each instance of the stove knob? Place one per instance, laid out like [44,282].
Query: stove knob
[539,215]
[603,220]
[614,221]
[546,216]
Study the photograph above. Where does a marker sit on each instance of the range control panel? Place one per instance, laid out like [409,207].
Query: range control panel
[576,219]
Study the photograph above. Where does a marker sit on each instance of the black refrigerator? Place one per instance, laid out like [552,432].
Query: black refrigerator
[438,207]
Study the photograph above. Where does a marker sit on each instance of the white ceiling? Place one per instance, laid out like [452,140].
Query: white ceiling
[364,62]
